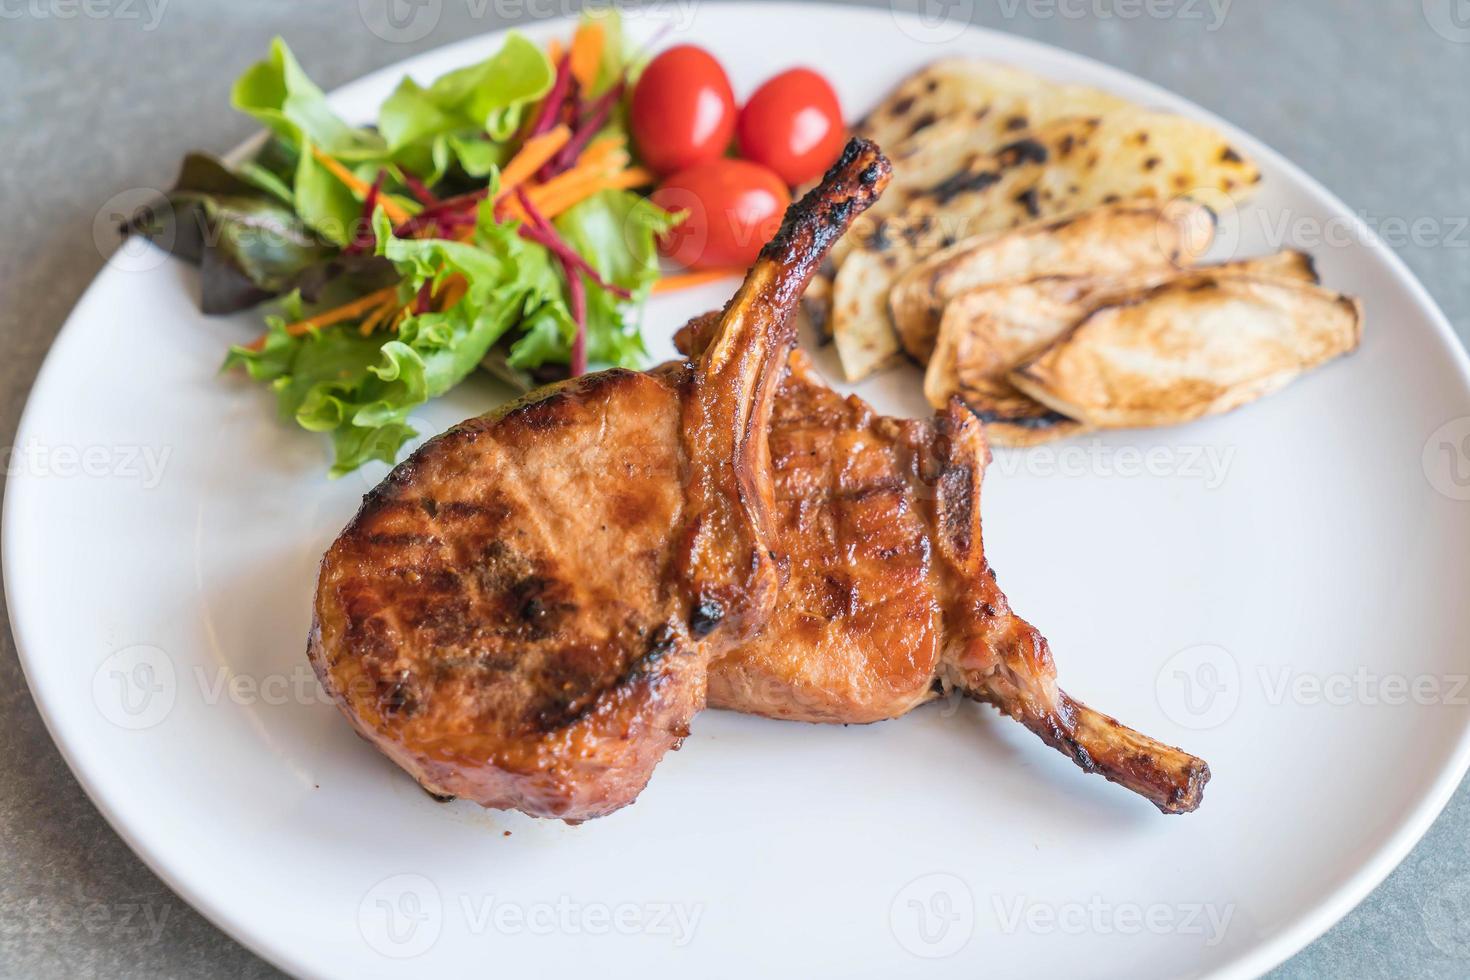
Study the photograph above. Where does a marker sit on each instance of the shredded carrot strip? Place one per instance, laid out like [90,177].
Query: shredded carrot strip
[688,280]
[344,312]
[454,289]
[394,211]
[587,46]
[576,185]
[376,318]
[553,50]
[566,182]
[335,315]
[631,178]
[606,152]
[530,158]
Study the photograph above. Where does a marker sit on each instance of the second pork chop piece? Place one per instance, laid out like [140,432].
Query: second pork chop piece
[888,600]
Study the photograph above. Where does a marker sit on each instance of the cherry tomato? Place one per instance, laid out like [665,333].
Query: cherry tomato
[793,125]
[734,207]
[683,110]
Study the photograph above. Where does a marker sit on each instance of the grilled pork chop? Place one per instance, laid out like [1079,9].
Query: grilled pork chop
[889,601]
[523,613]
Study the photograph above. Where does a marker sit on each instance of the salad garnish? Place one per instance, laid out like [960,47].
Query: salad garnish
[493,218]
[490,217]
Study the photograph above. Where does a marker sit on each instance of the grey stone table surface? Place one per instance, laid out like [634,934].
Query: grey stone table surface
[96,96]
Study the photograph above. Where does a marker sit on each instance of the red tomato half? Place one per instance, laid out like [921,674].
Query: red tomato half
[734,207]
[793,125]
[683,110]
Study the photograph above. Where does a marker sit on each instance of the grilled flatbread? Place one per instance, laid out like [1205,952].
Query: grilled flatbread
[994,101]
[950,111]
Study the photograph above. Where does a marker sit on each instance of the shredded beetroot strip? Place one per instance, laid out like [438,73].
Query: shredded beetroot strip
[551,105]
[425,294]
[593,118]
[572,266]
[543,233]
[418,189]
[363,236]
[577,299]
[448,210]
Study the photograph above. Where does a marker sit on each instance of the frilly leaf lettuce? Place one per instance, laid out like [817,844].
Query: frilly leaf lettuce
[278,93]
[615,232]
[426,128]
[362,389]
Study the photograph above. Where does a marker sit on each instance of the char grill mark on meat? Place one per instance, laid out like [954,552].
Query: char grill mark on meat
[729,564]
[524,611]
[890,602]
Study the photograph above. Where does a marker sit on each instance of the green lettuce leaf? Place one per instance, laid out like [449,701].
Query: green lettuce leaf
[249,243]
[428,128]
[280,95]
[363,389]
[615,232]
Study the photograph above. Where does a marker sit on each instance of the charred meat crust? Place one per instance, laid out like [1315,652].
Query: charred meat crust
[513,616]
[890,599]
[815,222]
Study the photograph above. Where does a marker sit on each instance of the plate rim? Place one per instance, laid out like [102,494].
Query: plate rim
[1297,932]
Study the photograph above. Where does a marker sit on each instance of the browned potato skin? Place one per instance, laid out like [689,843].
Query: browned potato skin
[989,331]
[1111,241]
[1195,346]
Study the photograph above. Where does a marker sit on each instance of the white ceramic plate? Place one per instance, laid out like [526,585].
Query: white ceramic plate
[1278,590]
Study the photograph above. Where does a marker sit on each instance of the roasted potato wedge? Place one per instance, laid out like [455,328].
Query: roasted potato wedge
[1107,241]
[1198,345]
[989,331]
[1022,422]
[1059,169]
